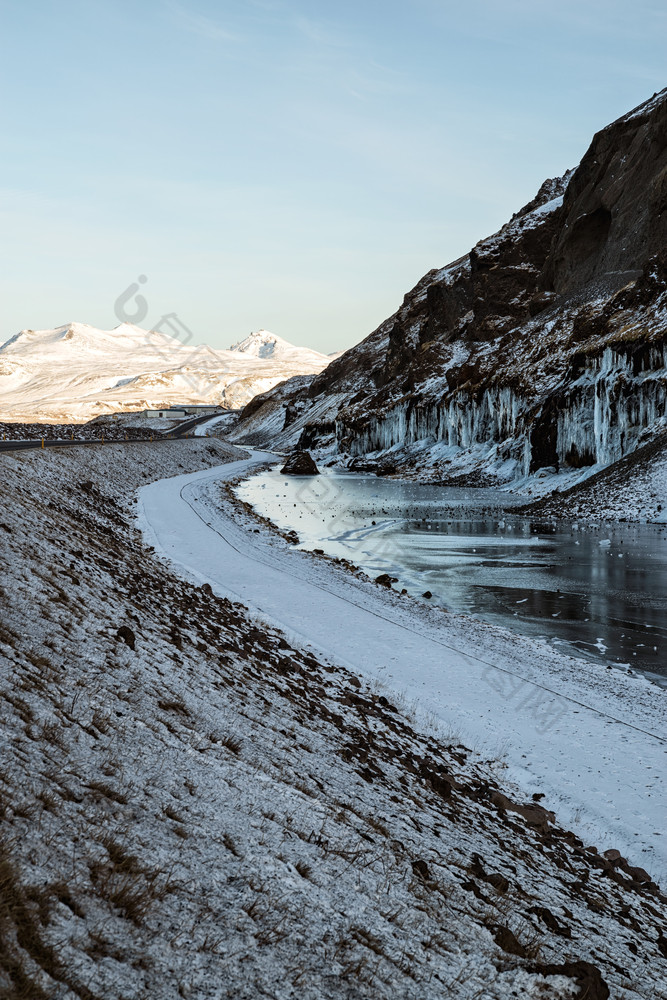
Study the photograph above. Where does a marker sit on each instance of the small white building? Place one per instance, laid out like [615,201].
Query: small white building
[181,412]
[170,413]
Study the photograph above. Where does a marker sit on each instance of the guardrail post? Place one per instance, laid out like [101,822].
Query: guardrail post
[42,442]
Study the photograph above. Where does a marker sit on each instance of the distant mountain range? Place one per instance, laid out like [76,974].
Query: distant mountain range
[76,372]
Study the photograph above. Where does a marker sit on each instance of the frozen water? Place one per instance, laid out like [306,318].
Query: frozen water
[563,582]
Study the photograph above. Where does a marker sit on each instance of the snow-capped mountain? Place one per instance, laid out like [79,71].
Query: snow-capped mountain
[544,348]
[263,344]
[76,372]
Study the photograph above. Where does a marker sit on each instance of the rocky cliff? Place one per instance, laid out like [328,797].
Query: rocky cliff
[544,347]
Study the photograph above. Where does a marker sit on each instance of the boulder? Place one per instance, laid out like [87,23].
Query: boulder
[420,868]
[300,464]
[126,635]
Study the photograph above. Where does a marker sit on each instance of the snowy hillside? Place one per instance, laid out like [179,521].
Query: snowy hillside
[197,805]
[634,489]
[76,372]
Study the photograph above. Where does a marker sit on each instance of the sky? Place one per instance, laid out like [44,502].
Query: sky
[282,164]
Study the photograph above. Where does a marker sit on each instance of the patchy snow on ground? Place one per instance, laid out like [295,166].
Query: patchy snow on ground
[194,804]
[136,420]
[107,428]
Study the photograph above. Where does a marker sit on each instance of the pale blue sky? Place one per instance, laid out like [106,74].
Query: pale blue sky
[287,164]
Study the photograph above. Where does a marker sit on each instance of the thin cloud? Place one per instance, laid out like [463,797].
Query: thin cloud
[321,33]
[344,58]
[514,21]
[199,24]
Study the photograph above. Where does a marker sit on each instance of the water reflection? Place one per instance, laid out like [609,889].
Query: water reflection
[603,590]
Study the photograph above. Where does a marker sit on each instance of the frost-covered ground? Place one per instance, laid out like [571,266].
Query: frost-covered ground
[110,428]
[195,806]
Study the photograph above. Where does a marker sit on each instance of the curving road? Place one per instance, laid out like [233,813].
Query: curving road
[594,741]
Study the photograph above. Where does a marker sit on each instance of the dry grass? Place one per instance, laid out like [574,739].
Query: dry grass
[231,743]
[171,813]
[304,870]
[231,845]
[126,883]
[27,962]
[104,790]
[177,706]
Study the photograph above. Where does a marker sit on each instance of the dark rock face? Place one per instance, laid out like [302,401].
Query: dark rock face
[545,346]
[300,464]
[615,208]
[552,188]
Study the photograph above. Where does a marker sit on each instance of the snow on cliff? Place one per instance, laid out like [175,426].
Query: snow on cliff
[76,372]
[543,349]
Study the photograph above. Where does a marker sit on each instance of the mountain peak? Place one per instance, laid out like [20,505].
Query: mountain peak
[266,345]
[261,344]
[646,107]
[87,338]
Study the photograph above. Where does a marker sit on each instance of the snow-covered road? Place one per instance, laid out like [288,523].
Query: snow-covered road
[592,740]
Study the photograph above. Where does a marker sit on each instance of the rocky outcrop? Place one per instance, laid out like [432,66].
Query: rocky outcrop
[615,207]
[300,464]
[542,347]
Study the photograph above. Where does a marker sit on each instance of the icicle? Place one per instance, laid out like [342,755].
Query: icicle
[602,416]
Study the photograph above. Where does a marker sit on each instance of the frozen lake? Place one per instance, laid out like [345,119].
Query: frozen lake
[602,590]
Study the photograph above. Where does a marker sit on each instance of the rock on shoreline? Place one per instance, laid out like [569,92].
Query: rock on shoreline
[301,463]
